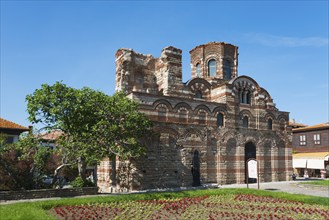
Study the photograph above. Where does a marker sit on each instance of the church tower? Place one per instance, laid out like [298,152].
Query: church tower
[214,60]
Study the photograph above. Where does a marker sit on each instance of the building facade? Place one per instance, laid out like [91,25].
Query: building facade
[11,130]
[206,129]
[311,150]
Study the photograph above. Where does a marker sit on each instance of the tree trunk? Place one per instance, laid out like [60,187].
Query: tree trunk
[82,166]
[57,171]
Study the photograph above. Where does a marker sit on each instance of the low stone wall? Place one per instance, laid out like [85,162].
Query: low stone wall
[47,193]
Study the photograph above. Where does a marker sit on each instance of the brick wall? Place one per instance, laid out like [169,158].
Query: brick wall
[185,119]
[47,193]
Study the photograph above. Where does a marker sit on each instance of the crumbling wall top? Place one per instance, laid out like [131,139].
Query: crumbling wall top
[213,43]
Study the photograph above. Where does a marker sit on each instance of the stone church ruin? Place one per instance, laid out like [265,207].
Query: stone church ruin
[206,129]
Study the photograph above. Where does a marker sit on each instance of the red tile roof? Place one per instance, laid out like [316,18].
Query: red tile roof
[296,125]
[52,135]
[5,124]
[313,127]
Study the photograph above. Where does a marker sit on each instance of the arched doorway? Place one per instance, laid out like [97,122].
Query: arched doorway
[196,169]
[249,152]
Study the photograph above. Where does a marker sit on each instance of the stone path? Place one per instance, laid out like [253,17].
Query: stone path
[295,187]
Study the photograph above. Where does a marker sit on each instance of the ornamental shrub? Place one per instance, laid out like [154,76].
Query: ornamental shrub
[78,183]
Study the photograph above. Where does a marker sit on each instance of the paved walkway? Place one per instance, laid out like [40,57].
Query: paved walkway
[294,187]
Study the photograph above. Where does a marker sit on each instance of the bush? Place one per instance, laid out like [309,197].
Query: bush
[78,182]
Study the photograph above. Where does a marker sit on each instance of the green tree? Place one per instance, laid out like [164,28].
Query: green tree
[30,148]
[23,163]
[9,169]
[94,124]
[122,130]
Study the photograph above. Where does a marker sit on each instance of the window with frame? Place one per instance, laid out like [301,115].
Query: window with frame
[245,96]
[198,70]
[9,140]
[317,138]
[227,67]
[245,122]
[302,140]
[198,94]
[220,120]
[212,67]
[269,124]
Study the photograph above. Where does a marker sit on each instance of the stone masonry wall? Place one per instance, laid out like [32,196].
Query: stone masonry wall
[189,133]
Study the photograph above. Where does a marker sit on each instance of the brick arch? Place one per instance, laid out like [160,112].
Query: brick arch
[246,112]
[269,115]
[211,54]
[200,81]
[162,102]
[282,116]
[266,95]
[228,135]
[251,139]
[219,109]
[201,107]
[283,122]
[196,59]
[199,84]
[245,83]
[182,105]
[190,131]
[166,129]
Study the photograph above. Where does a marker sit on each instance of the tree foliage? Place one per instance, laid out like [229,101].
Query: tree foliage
[95,125]
[23,163]
[121,128]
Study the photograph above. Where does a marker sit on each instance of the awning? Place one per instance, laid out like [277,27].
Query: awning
[299,163]
[310,160]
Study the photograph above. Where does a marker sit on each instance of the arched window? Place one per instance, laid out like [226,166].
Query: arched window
[245,122]
[248,97]
[245,96]
[269,124]
[212,67]
[220,120]
[227,68]
[198,94]
[198,70]
[241,96]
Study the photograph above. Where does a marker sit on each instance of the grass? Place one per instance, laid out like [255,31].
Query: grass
[318,183]
[39,209]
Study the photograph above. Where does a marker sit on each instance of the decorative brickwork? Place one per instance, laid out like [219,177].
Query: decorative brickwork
[203,126]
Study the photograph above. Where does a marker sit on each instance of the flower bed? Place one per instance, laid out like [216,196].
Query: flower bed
[205,207]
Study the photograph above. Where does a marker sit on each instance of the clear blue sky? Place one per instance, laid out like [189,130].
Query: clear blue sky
[283,45]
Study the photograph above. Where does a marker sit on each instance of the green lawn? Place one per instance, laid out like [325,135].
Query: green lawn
[40,209]
[317,182]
